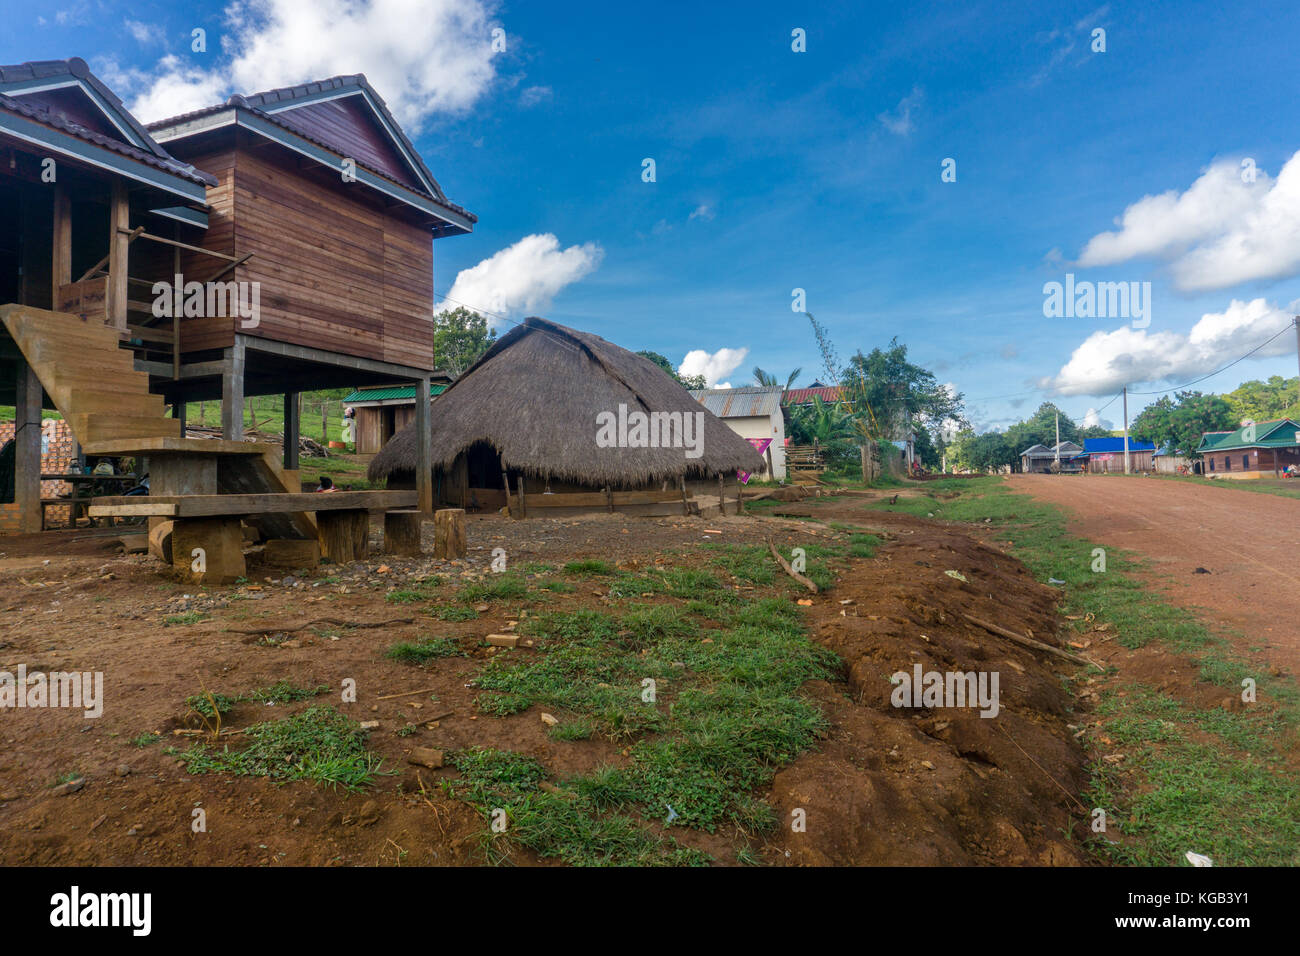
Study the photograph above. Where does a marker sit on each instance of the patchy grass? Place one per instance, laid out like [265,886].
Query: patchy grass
[588,568]
[496,587]
[281,692]
[319,744]
[424,651]
[454,614]
[1203,777]
[569,826]
[708,715]
[183,620]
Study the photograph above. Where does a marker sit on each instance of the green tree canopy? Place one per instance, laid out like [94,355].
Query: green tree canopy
[687,381]
[460,337]
[1180,421]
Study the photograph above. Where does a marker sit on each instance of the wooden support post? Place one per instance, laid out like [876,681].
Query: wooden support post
[292,426]
[344,535]
[208,550]
[722,498]
[232,393]
[505,482]
[27,447]
[740,490]
[62,274]
[178,413]
[119,226]
[523,503]
[686,508]
[609,498]
[292,553]
[176,318]
[449,533]
[424,446]
[402,532]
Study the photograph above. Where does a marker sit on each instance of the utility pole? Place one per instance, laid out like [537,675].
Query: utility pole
[1058,438]
[1296,320]
[1126,471]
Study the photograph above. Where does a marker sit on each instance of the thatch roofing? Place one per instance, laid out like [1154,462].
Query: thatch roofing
[535,397]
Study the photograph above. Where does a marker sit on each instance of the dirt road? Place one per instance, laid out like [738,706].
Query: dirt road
[1246,540]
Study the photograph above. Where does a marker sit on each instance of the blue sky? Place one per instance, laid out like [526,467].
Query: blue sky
[818,170]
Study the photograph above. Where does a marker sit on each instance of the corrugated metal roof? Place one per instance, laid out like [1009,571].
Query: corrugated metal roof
[756,401]
[804,396]
[389,393]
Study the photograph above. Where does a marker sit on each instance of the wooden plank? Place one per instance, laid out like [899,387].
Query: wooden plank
[205,506]
[168,445]
[149,509]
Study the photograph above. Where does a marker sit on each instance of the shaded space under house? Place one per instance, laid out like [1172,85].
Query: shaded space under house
[312,196]
[525,417]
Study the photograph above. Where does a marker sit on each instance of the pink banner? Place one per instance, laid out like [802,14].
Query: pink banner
[760,446]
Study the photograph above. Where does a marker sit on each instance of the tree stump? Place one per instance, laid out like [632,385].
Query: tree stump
[449,533]
[343,535]
[208,550]
[402,532]
[160,539]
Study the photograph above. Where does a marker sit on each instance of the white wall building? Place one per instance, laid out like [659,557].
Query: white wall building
[752,412]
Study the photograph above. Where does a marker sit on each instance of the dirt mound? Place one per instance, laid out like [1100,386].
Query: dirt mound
[935,785]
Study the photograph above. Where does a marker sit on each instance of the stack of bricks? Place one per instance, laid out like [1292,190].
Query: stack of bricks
[58,454]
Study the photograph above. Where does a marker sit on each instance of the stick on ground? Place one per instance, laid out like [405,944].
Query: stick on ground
[810,585]
[337,622]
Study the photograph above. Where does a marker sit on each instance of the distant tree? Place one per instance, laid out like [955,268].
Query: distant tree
[1180,421]
[885,395]
[770,381]
[686,381]
[1263,401]
[1040,429]
[460,337]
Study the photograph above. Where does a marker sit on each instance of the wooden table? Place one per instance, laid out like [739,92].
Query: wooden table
[79,499]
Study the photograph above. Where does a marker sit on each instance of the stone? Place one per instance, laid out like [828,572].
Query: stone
[426,757]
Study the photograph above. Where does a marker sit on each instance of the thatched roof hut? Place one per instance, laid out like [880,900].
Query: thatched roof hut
[538,399]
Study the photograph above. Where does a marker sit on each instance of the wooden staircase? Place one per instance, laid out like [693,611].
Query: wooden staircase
[91,381]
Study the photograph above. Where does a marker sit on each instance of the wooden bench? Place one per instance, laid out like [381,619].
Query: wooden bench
[207,544]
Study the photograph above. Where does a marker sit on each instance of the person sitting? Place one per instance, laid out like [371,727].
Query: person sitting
[326,485]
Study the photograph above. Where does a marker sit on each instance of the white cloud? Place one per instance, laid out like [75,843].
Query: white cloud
[523,277]
[713,366]
[899,121]
[145,33]
[174,87]
[1218,233]
[703,211]
[1093,420]
[423,56]
[1106,361]
[533,95]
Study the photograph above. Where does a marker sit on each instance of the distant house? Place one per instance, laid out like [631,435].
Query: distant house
[1168,461]
[1257,450]
[753,413]
[381,412]
[1039,459]
[1105,455]
[830,394]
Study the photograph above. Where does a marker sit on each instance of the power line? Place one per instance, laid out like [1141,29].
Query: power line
[1176,388]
